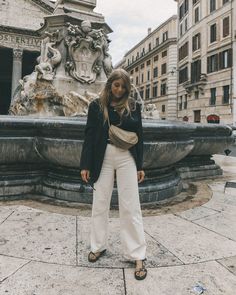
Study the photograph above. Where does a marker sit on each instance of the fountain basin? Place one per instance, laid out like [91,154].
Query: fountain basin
[42,155]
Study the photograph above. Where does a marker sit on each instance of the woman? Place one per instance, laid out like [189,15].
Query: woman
[100,159]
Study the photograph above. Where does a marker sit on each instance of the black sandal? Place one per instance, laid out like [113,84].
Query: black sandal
[95,257]
[142,269]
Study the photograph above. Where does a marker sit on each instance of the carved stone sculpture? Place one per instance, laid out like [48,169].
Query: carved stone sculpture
[150,112]
[73,65]
[87,52]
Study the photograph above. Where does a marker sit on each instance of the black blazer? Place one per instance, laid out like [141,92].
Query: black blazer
[96,135]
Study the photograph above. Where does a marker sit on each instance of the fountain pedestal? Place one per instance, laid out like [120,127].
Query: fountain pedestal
[73,66]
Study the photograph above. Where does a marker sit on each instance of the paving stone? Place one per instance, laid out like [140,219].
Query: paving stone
[180,280]
[231,191]
[196,213]
[40,236]
[229,263]
[221,202]
[8,265]
[157,255]
[222,223]
[6,211]
[188,241]
[49,279]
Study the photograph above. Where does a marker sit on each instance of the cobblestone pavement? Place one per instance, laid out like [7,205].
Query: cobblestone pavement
[191,250]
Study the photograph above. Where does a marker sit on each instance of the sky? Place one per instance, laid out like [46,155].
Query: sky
[130,20]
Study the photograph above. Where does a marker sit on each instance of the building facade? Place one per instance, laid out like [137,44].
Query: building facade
[19,42]
[206,30]
[152,65]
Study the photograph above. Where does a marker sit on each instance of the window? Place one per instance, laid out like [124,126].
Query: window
[183,51]
[157,41]
[225,59]
[136,69]
[186,101]
[180,103]
[164,53]
[143,52]
[131,72]
[141,92]
[225,1]
[148,75]
[142,78]
[196,94]
[183,75]
[181,29]
[132,59]
[142,66]
[185,6]
[155,90]
[225,94]
[195,1]
[149,47]
[212,63]
[212,5]
[186,24]
[181,11]
[196,15]
[137,80]
[220,61]
[195,71]
[226,27]
[163,108]
[155,72]
[196,42]
[165,36]
[163,88]
[213,96]
[148,92]
[156,58]
[148,62]
[163,69]
[197,116]
[213,33]
[128,62]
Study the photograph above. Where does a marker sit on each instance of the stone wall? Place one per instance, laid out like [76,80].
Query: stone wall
[24,14]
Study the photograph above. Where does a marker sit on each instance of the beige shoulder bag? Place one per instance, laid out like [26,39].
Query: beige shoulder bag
[122,138]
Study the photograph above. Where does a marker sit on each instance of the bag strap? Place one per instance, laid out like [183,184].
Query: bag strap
[108,120]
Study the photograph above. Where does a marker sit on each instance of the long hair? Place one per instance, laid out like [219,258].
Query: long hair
[125,104]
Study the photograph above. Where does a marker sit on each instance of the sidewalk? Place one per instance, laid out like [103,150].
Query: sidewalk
[45,253]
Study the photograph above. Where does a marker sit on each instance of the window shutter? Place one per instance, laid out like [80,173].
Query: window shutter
[230,57]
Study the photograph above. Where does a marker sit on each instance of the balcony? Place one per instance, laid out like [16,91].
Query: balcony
[197,85]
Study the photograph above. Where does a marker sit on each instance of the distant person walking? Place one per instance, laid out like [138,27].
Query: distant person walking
[101,158]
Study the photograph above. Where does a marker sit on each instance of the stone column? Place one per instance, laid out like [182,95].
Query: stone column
[16,69]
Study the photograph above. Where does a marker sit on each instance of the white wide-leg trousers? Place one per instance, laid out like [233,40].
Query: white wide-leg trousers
[131,224]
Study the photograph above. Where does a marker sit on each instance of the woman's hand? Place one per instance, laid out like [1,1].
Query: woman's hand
[141,176]
[85,175]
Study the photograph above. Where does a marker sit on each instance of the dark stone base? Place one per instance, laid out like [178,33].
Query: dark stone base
[65,184]
[198,167]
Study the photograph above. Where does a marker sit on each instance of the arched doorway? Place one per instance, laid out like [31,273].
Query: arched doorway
[214,119]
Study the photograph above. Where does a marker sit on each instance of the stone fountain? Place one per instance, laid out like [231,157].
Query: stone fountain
[41,140]
[73,65]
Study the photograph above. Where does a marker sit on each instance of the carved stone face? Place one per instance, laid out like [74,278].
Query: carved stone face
[118,88]
[86,26]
